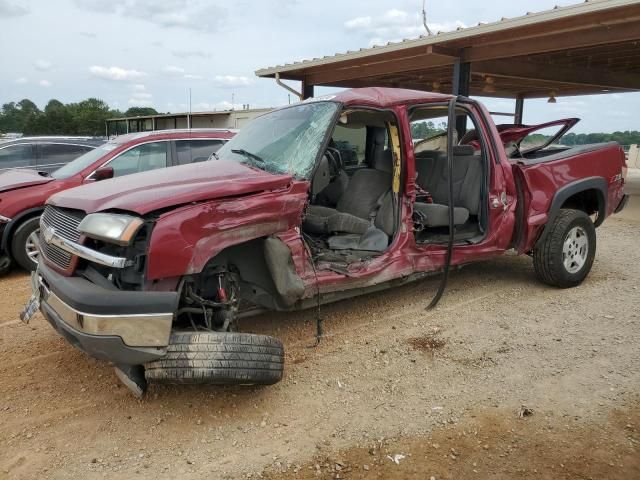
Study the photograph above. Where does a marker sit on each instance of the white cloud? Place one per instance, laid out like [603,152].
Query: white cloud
[231,81]
[395,25]
[189,76]
[190,14]
[44,83]
[141,95]
[115,73]
[21,80]
[140,102]
[42,65]
[11,10]
[139,87]
[173,70]
[190,53]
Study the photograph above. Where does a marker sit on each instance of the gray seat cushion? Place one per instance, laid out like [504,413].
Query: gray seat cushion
[334,191]
[437,215]
[365,189]
[329,220]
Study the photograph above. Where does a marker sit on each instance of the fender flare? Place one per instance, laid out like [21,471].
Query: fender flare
[11,226]
[599,184]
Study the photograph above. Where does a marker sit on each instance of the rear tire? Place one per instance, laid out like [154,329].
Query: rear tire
[219,358]
[565,256]
[23,246]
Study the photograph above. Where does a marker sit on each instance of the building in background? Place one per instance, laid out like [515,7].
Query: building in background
[170,121]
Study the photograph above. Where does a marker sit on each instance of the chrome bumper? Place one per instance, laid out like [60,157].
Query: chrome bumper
[139,330]
[4,219]
[52,238]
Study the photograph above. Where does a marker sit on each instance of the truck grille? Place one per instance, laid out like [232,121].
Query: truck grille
[65,222]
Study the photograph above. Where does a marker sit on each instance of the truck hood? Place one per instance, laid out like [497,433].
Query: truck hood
[14,179]
[158,189]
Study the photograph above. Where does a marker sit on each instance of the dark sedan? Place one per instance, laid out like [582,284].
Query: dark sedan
[44,153]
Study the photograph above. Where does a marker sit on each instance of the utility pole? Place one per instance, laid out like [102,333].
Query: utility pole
[424,17]
[189,116]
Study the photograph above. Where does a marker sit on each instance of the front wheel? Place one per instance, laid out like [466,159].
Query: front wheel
[219,358]
[24,246]
[565,256]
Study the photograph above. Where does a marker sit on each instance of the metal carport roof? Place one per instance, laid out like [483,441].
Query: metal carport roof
[588,48]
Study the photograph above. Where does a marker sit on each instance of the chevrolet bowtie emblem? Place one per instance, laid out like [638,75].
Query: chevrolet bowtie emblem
[48,234]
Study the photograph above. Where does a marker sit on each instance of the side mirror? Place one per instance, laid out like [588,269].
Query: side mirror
[103,173]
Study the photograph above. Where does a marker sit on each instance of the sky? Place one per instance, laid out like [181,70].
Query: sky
[151,52]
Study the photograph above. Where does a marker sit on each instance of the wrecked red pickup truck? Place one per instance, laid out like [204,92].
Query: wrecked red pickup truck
[312,203]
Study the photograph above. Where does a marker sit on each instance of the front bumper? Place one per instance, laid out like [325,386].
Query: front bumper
[122,327]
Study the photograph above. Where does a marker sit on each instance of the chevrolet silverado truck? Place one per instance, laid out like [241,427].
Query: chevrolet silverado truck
[23,193]
[312,203]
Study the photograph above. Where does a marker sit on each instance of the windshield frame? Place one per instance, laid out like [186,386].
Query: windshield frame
[323,145]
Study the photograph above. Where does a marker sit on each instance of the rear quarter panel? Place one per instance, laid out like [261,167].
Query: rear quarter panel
[542,181]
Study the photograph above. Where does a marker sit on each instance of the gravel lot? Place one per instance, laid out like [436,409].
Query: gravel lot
[446,389]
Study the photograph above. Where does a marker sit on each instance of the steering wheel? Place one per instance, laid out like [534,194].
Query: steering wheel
[335,162]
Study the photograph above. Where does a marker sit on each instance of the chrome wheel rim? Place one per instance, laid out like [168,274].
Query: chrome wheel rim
[31,247]
[575,249]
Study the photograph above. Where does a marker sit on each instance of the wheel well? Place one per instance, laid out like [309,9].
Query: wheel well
[589,201]
[8,234]
[267,276]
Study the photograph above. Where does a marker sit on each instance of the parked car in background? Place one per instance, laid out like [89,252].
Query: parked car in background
[44,153]
[23,192]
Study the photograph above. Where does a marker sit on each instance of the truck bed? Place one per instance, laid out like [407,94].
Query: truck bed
[551,155]
[546,184]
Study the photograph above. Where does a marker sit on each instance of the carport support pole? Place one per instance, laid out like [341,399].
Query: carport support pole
[307,90]
[461,80]
[519,110]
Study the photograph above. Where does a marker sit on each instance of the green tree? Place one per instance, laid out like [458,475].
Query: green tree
[140,112]
[89,116]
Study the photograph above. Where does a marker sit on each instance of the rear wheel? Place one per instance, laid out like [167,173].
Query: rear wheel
[24,245]
[219,358]
[565,256]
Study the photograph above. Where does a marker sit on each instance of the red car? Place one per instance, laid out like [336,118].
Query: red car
[151,271]
[23,192]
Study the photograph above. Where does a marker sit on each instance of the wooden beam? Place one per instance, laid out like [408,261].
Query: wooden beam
[599,35]
[556,73]
[411,64]
[443,51]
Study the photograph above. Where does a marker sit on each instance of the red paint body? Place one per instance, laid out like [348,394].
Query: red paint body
[23,193]
[207,208]
[21,190]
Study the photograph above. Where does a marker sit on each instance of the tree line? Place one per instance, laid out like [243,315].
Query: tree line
[86,118]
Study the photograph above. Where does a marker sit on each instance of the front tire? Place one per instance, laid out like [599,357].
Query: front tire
[24,244]
[219,358]
[565,256]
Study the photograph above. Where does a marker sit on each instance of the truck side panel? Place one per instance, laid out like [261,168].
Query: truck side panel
[548,186]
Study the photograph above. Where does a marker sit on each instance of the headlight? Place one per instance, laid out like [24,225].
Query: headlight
[111,227]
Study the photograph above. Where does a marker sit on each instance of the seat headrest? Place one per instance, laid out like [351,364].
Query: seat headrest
[463,150]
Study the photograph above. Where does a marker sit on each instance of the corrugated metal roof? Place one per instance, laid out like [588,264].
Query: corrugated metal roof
[530,18]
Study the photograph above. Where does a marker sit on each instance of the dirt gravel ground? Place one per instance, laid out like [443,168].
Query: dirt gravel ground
[507,378]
